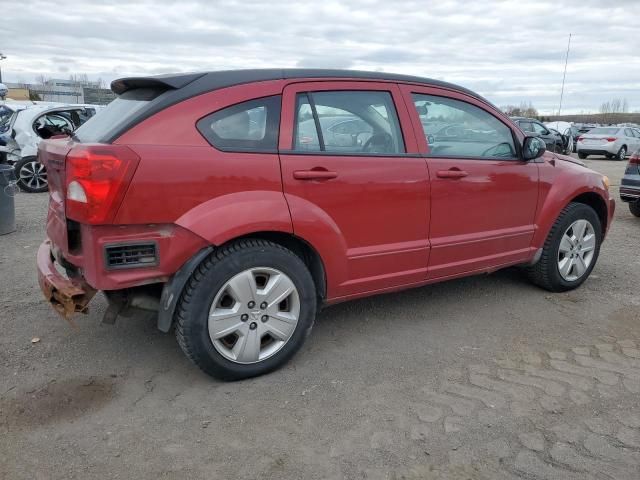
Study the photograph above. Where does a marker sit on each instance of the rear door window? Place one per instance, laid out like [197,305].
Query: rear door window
[250,126]
[454,128]
[347,122]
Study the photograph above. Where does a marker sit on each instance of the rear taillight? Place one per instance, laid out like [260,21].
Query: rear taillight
[635,158]
[97,178]
[580,139]
[611,139]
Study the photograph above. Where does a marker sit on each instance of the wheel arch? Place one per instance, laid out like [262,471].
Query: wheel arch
[305,251]
[596,202]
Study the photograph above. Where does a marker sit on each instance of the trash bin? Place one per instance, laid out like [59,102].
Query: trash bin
[8,190]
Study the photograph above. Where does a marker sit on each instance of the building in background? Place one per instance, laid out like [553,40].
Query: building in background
[65,91]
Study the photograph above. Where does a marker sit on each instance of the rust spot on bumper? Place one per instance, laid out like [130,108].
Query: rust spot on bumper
[67,296]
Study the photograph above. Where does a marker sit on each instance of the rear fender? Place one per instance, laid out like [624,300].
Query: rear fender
[237,214]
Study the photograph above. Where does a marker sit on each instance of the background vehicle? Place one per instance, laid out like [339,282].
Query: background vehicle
[612,142]
[273,219]
[630,184]
[25,125]
[565,130]
[531,126]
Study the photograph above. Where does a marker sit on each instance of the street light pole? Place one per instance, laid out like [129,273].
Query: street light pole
[2,57]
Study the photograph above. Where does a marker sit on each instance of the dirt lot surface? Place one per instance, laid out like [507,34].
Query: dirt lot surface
[482,378]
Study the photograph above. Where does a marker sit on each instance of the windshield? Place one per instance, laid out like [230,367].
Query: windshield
[5,118]
[604,131]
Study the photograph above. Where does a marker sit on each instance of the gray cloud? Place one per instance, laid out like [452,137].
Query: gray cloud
[509,51]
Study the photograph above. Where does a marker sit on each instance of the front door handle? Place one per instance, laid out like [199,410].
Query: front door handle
[452,173]
[314,174]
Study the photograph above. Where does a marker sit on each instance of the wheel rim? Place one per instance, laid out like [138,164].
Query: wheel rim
[577,248]
[254,314]
[622,153]
[33,175]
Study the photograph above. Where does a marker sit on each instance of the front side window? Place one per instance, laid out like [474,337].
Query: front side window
[455,128]
[538,128]
[526,126]
[246,127]
[347,122]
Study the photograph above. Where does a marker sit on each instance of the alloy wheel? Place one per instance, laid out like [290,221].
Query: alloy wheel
[254,315]
[577,249]
[622,153]
[33,174]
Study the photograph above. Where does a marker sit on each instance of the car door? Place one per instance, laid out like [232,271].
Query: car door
[362,201]
[549,137]
[632,140]
[483,195]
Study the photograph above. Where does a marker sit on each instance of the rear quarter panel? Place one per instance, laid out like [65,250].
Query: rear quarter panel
[182,179]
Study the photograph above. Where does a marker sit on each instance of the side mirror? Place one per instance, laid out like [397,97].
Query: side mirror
[533,148]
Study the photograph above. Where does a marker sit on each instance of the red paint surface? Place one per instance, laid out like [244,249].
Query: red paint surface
[381,223]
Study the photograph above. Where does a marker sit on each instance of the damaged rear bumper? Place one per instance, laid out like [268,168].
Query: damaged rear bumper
[67,295]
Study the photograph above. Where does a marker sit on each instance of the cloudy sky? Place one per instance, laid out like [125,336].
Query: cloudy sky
[509,51]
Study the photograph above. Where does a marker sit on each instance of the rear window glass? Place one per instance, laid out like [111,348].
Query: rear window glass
[119,110]
[245,127]
[604,131]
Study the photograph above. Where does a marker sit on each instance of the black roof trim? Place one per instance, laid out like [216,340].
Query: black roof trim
[164,82]
[179,87]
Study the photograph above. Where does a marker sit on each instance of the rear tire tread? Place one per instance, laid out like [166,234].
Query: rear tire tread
[183,326]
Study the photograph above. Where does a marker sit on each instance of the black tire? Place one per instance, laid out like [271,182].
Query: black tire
[193,308]
[622,153]
[545,273]
[634,208]
[582,156]
[35,184]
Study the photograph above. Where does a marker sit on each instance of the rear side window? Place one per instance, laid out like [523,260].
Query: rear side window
[459,129]
[347,122]
[110,118]
[245,127]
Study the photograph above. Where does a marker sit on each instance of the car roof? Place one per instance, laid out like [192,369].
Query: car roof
[207,81]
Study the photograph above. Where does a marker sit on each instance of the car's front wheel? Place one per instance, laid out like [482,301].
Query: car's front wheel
[622,153]
[570,251]
[634,208]
[31,175]
[582,156]
[246,310]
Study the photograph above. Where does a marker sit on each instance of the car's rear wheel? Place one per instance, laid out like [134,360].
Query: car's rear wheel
[246,310]
[622,153]
[634,208]
[582,156]
[31,175]
[570,251]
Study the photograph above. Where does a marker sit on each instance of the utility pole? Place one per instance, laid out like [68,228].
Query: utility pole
[2,57]
[564,75]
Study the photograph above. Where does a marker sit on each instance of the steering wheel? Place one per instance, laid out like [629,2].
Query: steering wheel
[495,147]
[379,142]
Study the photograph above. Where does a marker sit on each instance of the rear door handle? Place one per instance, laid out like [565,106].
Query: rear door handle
[314,174]
[452,173]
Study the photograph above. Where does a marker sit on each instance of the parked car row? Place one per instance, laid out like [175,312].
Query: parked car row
[24,125]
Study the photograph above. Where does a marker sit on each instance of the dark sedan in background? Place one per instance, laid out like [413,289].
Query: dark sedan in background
[531,126]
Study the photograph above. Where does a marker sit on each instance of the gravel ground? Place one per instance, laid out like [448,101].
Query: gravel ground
[482,378]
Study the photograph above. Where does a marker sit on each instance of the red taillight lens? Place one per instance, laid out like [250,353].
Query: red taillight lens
[97,178]
[635,158]
[611,139]
[580,139]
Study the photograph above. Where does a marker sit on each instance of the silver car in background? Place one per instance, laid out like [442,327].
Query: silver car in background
[612,142]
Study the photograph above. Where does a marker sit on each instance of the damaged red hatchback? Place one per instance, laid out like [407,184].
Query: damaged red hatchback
[237,203]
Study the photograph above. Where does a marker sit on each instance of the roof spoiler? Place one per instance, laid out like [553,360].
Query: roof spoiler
[162,82]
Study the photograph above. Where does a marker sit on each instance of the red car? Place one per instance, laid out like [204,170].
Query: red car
[238,203]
